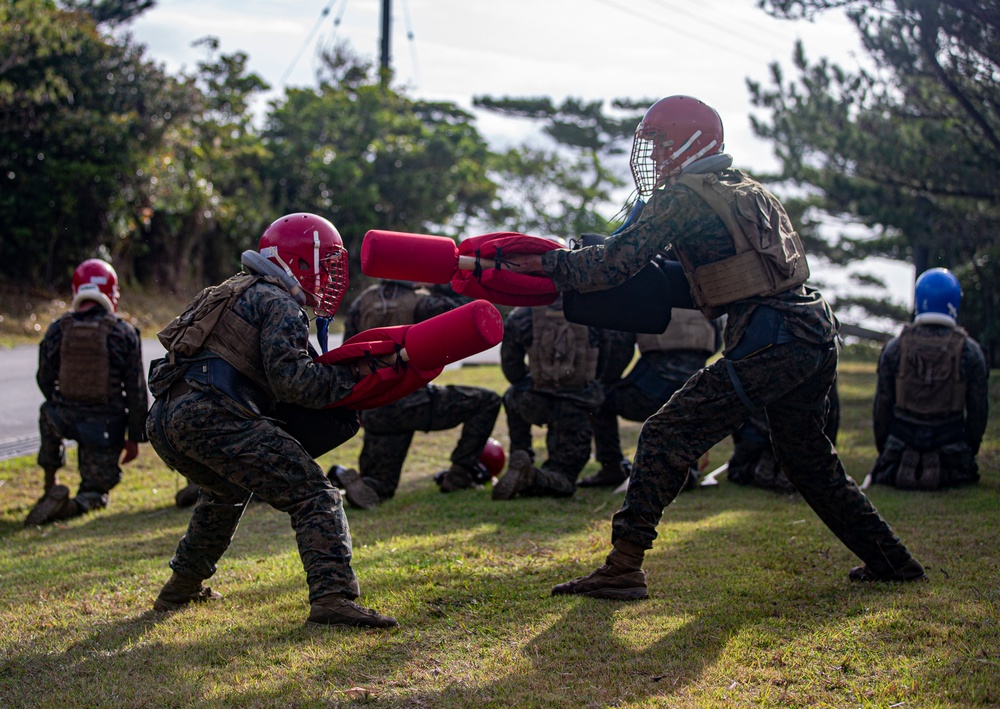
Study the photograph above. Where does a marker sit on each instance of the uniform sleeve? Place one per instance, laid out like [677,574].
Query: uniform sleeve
[48,361]
[284,338]
[977,401]
[670,215]
[885,392]
[134,380]
[515,343]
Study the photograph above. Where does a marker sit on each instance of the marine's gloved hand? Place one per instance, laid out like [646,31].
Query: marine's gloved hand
[131,452]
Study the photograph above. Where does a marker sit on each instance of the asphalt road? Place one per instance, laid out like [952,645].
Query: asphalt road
[21,397]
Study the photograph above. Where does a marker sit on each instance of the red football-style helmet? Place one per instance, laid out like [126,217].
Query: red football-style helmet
[95,280]
[493,457]
[675,132]
[309,248]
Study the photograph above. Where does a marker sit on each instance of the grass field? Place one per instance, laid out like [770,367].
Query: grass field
[749,605]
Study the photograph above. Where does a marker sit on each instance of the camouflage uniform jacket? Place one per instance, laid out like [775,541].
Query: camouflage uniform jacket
[676,215]
[126,367]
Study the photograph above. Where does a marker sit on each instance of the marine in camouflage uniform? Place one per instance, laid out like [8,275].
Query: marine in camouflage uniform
[657,374]
[780,355]
[565,412]
[931,449]
[388,430]
[100,428]
[753,462]
[213,421]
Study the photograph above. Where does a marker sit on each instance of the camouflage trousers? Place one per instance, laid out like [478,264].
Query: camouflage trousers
[790,381]
[388,430]
[232,458]
[99,437]
[567,436]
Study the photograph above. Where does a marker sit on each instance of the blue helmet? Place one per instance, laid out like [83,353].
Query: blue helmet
[938,291]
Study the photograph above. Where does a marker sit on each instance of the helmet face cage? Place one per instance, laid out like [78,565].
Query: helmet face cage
[332,273]
[643,166]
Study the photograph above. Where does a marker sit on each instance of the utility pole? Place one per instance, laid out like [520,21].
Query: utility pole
[386,22]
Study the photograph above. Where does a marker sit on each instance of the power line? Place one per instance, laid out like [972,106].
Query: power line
[412,41]
[322,15]
[718,44]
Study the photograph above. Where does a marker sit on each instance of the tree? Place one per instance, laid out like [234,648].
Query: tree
[910,146]
[203,198]
[560,191]
[78,108]
[367,156]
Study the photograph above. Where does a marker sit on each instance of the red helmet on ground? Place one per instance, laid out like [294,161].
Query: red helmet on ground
[309,248]
[95,281]
[675,132]
[493,457]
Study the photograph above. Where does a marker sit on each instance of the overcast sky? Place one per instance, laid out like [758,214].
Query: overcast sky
[456,49]
[591,49]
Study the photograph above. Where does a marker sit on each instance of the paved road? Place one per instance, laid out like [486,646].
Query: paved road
[21,397]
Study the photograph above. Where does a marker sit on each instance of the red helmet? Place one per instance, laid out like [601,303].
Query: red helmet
[96,281]
[309,248]
[675,132]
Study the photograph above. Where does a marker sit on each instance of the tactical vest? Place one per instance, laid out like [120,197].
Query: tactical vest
[209,323]
[688,330]
[387,305]
[929,381]
[769,254]
[560,355]
[84,362]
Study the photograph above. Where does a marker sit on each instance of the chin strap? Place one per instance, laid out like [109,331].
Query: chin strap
[260,265]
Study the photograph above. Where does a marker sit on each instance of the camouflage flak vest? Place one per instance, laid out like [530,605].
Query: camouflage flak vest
[769,254]
[84,364]
[560,355]
[929,381]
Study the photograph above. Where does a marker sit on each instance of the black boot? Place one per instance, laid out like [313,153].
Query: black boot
[610,475]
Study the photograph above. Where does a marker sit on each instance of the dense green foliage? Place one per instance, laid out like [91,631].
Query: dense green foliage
[908,146]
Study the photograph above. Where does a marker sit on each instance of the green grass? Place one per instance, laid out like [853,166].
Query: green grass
[750,603]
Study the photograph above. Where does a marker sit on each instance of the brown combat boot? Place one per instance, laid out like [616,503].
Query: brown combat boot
[621,578]
[54,505]
[610,475]
[181,590]
[519,477]
[339,611]
[457,477]
[357,492]
[910,571]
